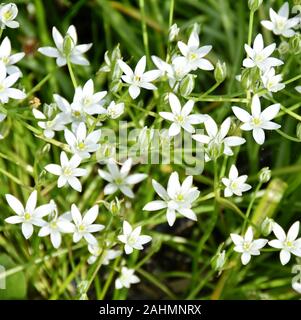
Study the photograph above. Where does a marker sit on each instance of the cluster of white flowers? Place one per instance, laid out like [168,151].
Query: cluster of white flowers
[288,244]
[81,121]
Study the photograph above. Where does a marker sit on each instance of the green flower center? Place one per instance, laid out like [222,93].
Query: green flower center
[256,121]
[81,145]
[81,228]
[7,15]
[193,56]
[67,171]
[246,245]
[180,119]
[27,216]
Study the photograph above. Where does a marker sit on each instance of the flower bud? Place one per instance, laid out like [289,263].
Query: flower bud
[219,260]
[295,43]
[115,110]
[215,149]
[298,131]
[187,85]
[264,175]
[220,72]
[68,45]
[254,4]
[283,48]
[114,206]
[173,32]
[267,226]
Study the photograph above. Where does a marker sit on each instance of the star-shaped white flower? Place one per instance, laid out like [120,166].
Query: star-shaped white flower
[68,171]
[287,243]
[132,239]
[56,226]
[258,120]
[247,246]
[50,122]
[6,82]
[259,56]
[194,54]
[271,81]
[8,13]
[87,100]
[138,79]
[66,48]
[115,110]
[181,117]
[127,277]
[280,23]
[235,184]
[175,71]
[10,59]
[82,144]
[84,226]
[29,216]
[96,250]
[177,198]
[119,179]
[217,138]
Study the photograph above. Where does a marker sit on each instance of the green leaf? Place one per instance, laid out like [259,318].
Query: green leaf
[15,285]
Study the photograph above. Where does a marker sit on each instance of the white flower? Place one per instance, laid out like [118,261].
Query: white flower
[258,56]
[30,215]
[120,179]
[271,81]
[107,255]
[280,24]
[84,226]
[6,91]
[173,32]
[216,138]
[86,100]
[126,278]
[138,79]
[289,244]
[247,246]
[132,238]
[82,144]
[66,48]
[194,54]
[235,184]
[175,71]
[115,110]
[297,286]
[8,12]
[181,117]
[298,89]
[55,227]
[10,59]
[177,198]
[68,171]
[258,121]
[49,124]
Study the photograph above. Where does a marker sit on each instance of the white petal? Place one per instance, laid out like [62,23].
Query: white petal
[155,205]
[279,232]
[285,257]
[27,230]
[15,204]
[258,135]
[91,215]
[293,231]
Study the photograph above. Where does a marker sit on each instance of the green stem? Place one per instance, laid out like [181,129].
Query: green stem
[144,29]
[251,206]
[251,19]
[73,79]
